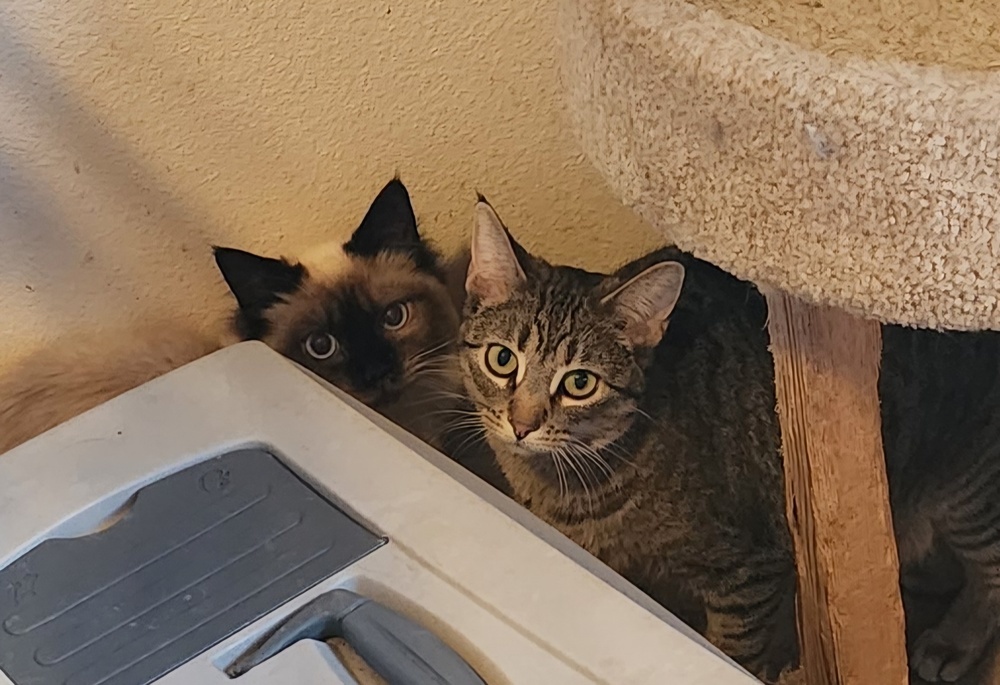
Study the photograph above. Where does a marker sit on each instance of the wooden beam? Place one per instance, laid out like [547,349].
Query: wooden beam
[826,375]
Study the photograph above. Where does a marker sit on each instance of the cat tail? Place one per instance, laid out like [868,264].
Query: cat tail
[78,372]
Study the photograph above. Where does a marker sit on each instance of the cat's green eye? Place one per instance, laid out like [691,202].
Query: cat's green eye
[580,384]
[501,361]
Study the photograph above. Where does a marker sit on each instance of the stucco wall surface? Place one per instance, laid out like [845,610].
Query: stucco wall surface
[136,133]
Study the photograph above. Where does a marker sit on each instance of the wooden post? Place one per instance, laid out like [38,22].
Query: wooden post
[826,375]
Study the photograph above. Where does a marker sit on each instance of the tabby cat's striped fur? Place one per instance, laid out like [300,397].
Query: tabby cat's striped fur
[672,474]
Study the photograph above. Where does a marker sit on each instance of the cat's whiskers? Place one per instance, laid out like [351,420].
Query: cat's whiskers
[573,464]
[436,384]
[454,411]
[615,450]
[563,454]
[477,439]
[436,387]
[489,421]
[439,358]
[433,367]
[462,414]
[560,460]
[462,420]
[643,414]
[428,395]
[585,463]
[476,434]
[429,351]
[434,359]
[594,456]
[582,451]
[561,475]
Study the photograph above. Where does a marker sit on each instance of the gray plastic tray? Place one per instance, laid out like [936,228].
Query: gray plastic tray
[202,553]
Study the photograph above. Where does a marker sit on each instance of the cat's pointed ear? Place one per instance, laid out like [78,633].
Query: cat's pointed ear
[257,283]
[389,224]
[494,272]
[644,303]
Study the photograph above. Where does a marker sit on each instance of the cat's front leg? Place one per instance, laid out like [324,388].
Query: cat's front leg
[750,615]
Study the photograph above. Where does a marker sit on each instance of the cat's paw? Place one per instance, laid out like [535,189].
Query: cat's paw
[769,674]
[947,652]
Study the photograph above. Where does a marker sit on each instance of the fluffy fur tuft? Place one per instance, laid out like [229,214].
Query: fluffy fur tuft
[54,384]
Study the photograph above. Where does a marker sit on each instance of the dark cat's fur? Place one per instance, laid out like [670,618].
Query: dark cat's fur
[340,295]
[941,430]
[674,476]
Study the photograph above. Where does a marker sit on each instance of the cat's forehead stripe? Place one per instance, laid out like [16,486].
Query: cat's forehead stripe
[522,336]
[557,324]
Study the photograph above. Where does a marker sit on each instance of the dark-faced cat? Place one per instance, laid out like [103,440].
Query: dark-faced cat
[658,454]
[373,316]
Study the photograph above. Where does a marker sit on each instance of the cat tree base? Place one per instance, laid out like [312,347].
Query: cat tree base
[826,366]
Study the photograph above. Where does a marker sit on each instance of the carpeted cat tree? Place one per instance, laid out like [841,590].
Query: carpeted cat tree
[843,155]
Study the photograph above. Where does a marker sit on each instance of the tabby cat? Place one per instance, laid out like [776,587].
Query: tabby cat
[657,453]
[374,316]
[656,447]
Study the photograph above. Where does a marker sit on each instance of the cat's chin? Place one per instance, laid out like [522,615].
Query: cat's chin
[523,449]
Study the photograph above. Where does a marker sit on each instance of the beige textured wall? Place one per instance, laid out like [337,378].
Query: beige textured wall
[136,133]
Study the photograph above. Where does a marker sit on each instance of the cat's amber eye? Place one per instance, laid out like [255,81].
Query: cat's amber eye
[395,316]
[320,345]
[501,361]
[580,384]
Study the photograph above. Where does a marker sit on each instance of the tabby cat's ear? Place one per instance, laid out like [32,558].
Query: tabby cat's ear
[494,272]
[389,224]
[645,302]
[257,283]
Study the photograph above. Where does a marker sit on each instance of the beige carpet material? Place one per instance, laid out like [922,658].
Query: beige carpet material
[868,185]
[960,33]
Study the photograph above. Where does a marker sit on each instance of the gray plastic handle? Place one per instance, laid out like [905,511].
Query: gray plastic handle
[399,650]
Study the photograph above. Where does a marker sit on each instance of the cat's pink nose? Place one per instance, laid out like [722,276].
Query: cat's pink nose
[523,429]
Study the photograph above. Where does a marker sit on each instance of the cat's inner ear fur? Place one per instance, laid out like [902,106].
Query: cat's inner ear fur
[644,303]
[257,283]
[494,272]
[390,224]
